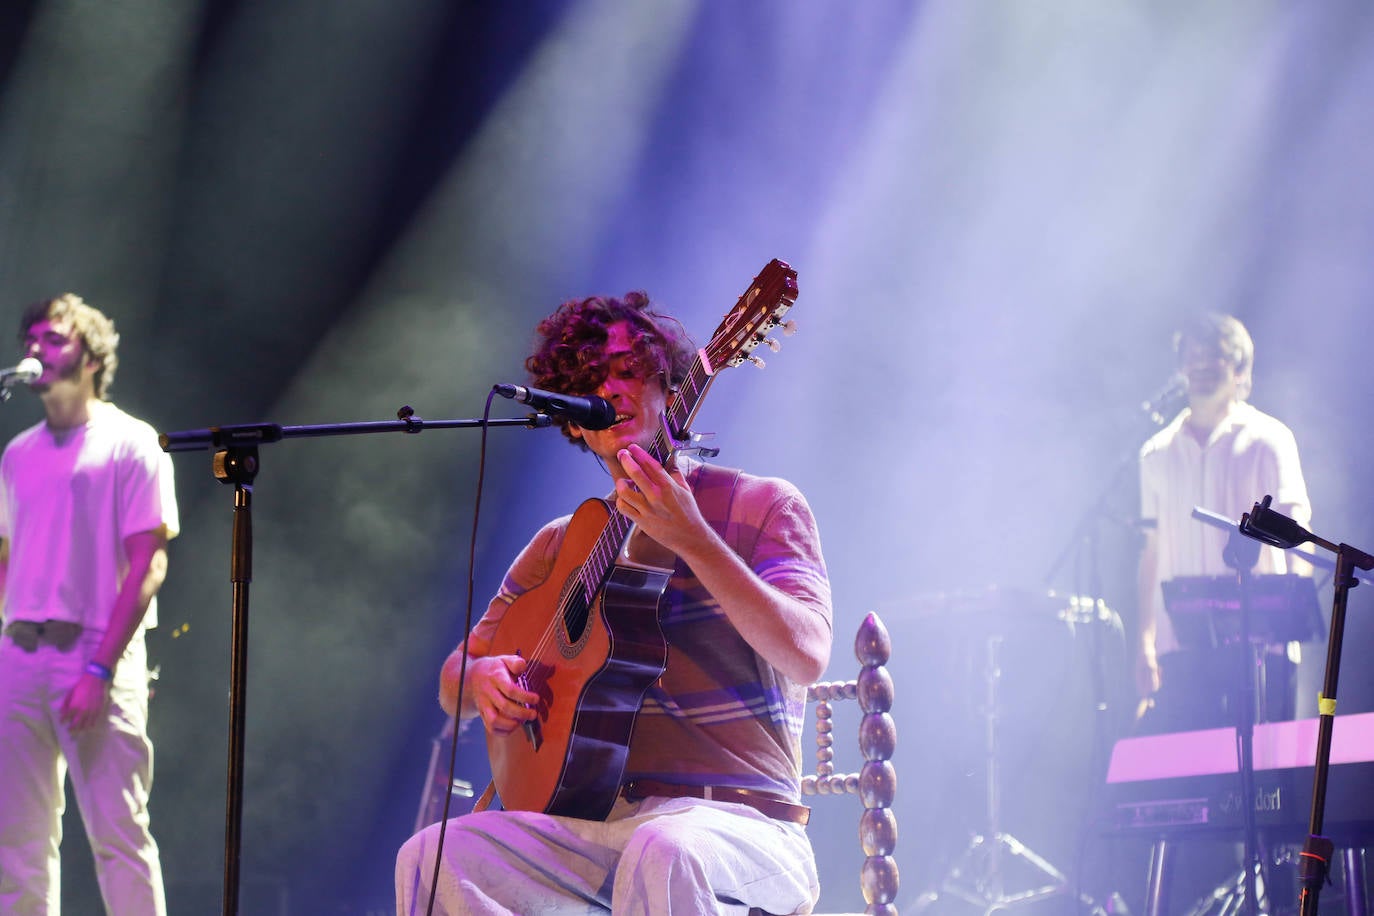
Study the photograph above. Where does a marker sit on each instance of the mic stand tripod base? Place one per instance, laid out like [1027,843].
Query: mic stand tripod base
[976,879]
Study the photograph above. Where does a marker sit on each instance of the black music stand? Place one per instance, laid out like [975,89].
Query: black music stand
[1206,610]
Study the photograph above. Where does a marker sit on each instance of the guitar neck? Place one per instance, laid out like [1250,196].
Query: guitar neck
[680,414]
[758,311]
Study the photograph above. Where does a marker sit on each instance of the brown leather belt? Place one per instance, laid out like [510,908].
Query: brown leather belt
[763,802]
[29,634]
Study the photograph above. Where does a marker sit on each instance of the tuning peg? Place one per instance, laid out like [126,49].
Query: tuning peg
[789,327]
[758,361]
[772,344]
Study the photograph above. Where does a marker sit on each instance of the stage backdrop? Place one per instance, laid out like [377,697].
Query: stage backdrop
[316,211]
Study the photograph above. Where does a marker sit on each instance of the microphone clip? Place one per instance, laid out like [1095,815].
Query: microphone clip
[28,369]
[1269,526]
[1162,405]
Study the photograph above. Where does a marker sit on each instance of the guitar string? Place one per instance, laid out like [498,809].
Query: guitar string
[604,550]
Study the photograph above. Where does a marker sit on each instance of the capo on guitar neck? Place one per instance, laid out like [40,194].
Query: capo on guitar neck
[699,451]
[691,445]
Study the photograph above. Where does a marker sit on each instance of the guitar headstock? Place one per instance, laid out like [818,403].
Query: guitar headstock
[748,324]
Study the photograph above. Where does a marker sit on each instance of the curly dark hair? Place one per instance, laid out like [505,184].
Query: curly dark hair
[569,355]
[97,332]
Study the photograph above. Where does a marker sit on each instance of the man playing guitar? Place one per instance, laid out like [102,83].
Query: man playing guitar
[704,817]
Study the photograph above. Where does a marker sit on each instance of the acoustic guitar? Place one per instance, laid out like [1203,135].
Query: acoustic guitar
[590,633]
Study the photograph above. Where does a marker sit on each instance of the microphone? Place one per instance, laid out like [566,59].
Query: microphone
[1157,407]
[27,370]
[590,412]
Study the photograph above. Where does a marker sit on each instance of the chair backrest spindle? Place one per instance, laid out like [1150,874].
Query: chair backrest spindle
[876,781]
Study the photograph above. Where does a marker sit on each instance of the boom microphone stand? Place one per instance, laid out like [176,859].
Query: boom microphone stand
[235,462]
[1270,527]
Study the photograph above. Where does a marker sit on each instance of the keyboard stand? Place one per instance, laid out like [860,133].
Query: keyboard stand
[1228,897]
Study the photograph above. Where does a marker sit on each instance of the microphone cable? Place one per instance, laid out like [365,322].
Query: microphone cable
[462,665]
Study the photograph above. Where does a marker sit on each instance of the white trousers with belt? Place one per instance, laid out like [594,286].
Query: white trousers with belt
[656,857]
[111,766]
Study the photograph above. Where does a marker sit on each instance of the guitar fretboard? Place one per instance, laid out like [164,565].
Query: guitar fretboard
[611,542]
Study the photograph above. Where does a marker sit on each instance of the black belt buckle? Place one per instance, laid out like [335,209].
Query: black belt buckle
[25,637]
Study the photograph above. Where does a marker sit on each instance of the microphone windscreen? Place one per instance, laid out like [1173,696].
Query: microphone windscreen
[603,414]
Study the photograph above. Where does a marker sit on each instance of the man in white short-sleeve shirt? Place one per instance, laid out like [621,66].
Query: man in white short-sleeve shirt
[1223,455]
[86,510]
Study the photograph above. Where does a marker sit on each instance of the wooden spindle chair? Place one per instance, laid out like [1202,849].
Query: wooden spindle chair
[876,781]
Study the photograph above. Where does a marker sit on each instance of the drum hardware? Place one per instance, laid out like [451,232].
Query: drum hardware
[977,877]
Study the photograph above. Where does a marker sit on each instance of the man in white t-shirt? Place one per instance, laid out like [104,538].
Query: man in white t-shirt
[87,507]
[1223,455]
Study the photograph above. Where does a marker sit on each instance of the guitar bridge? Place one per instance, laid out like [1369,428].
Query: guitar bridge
[534,733]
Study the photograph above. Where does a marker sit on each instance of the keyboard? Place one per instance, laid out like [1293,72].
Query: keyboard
[1182,783]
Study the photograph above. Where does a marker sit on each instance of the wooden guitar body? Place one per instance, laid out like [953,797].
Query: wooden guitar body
[591,663]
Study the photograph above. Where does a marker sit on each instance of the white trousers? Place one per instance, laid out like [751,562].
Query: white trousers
[656,857]
[111,767]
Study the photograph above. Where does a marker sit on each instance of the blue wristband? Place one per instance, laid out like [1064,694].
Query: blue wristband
[100,671]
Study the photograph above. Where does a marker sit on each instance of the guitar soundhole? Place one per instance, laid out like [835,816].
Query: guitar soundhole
[574,608]
[575,617]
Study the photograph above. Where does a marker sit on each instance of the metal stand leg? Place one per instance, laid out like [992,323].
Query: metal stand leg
[1249,890]
[1157,883]
[1356,902]
[1229,899]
